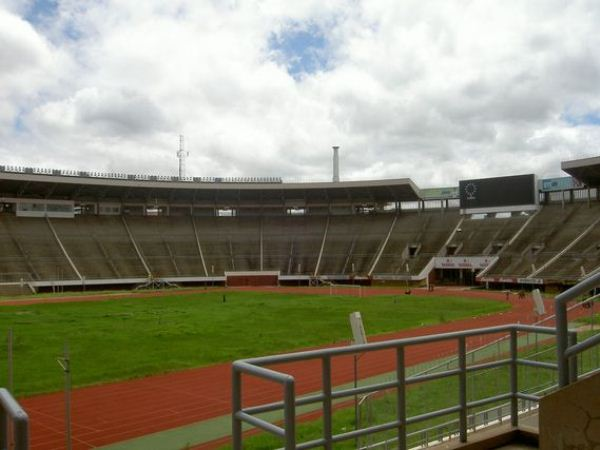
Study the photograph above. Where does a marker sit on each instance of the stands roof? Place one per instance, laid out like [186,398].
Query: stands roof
[215,192]
[586,170]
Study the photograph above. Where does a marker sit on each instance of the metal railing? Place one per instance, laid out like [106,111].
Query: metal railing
[13,422]
[566,348]
[500,341]
[326,396]
[136,177]
[437,434]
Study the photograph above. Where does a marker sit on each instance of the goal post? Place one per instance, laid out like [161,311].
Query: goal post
[353,290]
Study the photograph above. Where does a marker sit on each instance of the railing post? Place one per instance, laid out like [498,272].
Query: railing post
[13,418]
[21,433]
[462,391]
[289,413]
[561,344]
[401,397]
[9,359]
[573,360]
[3,429]
[327,410]
[560,310]
[236,397]
[514,376]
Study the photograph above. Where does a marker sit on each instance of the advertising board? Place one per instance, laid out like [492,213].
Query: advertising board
[517,192]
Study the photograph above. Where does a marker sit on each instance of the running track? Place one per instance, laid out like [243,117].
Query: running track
[115,412]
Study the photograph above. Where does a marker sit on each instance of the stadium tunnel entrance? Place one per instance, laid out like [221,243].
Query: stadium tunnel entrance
[454,277]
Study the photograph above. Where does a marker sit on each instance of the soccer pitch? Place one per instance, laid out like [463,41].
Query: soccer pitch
[128,338]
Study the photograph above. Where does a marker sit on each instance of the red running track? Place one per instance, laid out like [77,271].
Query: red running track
[115,412]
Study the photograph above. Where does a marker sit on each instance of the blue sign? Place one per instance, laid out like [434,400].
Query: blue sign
[560,184]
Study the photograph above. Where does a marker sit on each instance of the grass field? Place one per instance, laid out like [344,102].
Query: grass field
[29,295]
[128,338]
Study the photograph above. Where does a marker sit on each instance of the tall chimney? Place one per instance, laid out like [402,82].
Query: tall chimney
[336,164]
[181,154]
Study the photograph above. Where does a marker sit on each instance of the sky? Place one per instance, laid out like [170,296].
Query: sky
[433,90]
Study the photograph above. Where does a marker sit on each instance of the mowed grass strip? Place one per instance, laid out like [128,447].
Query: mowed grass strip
[128,338]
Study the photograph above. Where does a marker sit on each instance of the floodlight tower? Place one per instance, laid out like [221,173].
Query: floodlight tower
[336,164]
[182,154]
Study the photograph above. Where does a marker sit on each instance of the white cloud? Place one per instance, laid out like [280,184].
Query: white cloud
[24,56]
[100,113]
[436,91]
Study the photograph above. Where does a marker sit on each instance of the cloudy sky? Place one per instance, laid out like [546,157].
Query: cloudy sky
[432,90]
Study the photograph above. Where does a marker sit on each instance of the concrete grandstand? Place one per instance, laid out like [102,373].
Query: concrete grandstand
[66,229]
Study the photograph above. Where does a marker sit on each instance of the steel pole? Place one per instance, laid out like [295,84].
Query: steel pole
[9,350]
[21,433]
[236,397]
[289,413]
[401,397]
[65,363]
[561,344]
[514,376]
[462,392]
[356,411]
[3,429]
[327,407]
[68,395]
[573,360]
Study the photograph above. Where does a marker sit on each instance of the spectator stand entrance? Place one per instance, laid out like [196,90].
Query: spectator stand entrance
[252,278]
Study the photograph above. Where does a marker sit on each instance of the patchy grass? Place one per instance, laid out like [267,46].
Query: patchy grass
[128,338]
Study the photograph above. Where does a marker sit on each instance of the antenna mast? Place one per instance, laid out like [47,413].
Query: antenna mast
[182,154]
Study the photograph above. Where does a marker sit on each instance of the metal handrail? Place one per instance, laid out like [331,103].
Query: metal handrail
[481,416]
[567,348]
[254,366]
[483,347]
[11,413]
[383,345]
[136,177]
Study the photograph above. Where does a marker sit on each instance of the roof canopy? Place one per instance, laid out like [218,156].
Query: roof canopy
[586,170]
[215,193]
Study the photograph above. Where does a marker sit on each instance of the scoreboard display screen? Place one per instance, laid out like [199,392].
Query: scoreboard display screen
[499,192]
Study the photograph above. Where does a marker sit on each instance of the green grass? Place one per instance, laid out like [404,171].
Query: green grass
[29,295]
[589,319]
[128,338]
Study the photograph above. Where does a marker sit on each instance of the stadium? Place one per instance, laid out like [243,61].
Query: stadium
[76,230]
[65,232]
